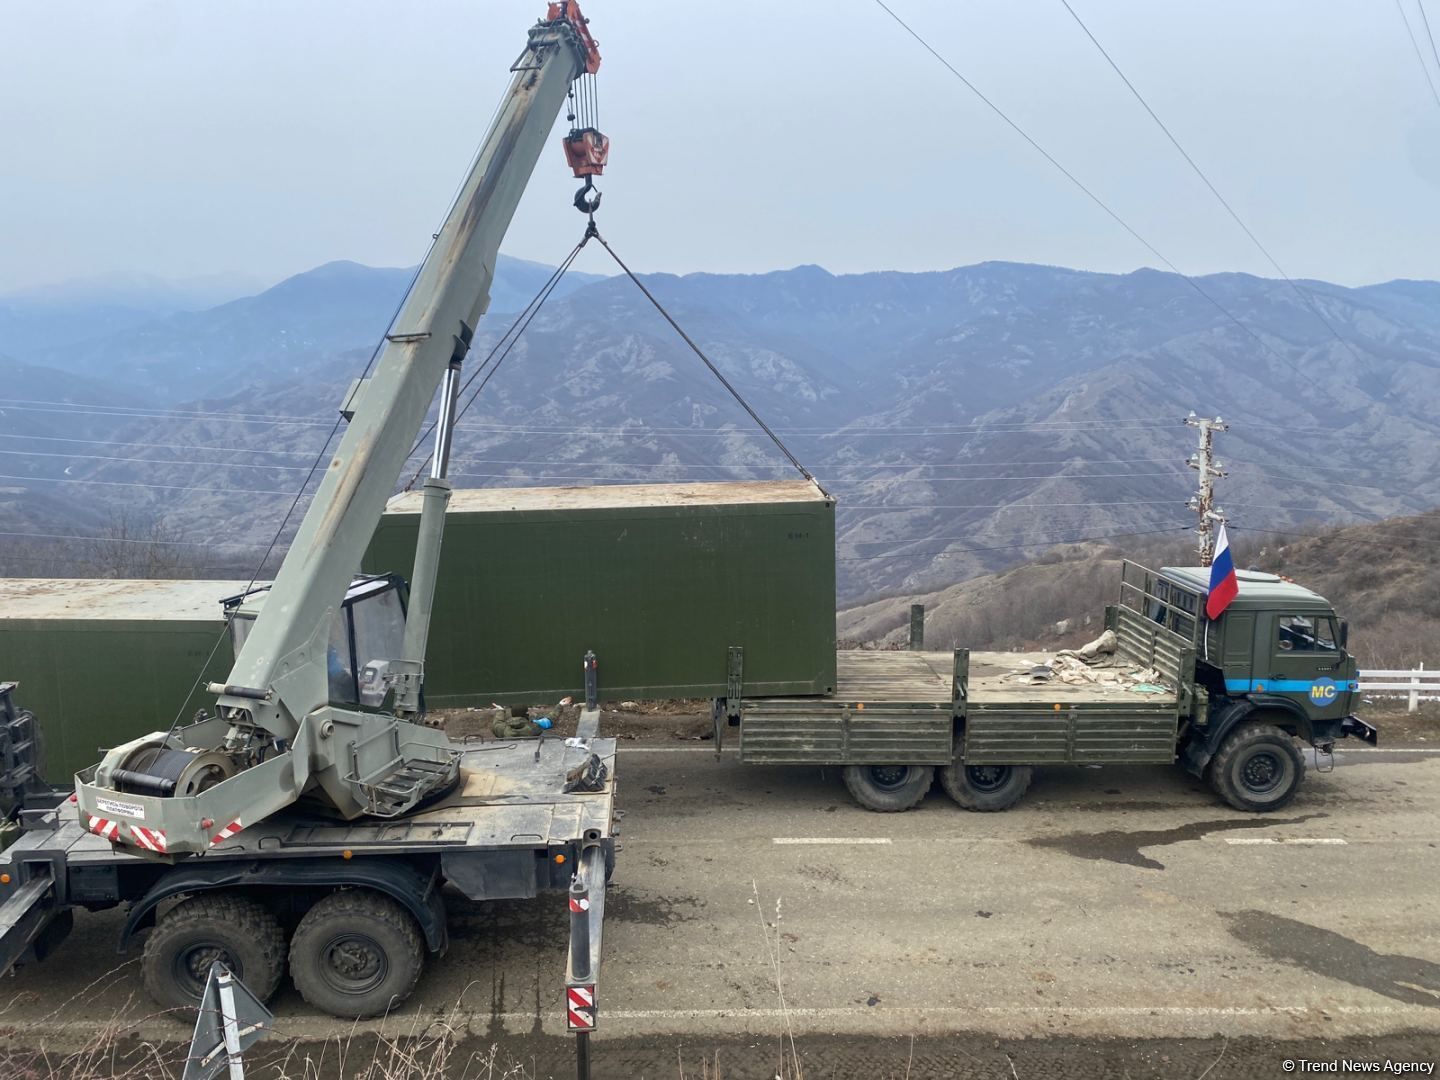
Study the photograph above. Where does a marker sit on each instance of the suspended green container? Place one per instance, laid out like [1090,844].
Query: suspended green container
[658,579]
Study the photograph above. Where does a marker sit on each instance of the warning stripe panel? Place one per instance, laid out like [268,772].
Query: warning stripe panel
[226,833]
[110,830]
[580,1007]
[149,839]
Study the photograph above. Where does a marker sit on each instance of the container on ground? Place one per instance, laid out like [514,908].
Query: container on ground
[658,579]
[102,661]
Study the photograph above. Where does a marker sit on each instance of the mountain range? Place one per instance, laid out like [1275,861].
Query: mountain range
[965,419]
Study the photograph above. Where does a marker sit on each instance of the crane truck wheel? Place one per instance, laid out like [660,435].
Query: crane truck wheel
[888,789]
[1258,768]
[356,954]
[241,933]
[985,788]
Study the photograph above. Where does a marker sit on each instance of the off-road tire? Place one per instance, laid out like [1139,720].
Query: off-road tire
[986,788]
[888,789]
[356,954]
[1257,768]
[241,933]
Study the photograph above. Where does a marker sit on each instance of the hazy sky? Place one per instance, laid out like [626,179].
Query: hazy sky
[189,137]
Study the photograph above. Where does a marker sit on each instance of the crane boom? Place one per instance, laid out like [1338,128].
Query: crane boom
[279,733]
[434,325]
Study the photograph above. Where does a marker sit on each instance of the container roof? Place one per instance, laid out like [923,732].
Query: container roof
[1257,589]
[618,496]
[114,599]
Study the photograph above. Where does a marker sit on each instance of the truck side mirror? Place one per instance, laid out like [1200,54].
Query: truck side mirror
[1344,633]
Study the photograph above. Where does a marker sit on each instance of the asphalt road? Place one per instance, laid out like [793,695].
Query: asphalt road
[1111,904]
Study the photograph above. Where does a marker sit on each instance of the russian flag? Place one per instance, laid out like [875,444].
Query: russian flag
[1224,585]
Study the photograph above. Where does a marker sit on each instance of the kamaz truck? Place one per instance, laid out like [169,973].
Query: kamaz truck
[1230,699]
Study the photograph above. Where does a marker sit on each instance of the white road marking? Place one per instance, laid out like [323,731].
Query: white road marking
[1284,840]
[830,840]
[1339,751]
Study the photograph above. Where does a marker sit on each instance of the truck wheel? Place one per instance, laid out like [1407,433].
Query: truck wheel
[356,954]
[888,789]
[241,933]
[1257,768]
[985,787]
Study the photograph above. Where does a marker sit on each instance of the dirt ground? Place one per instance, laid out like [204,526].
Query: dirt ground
[808,1057]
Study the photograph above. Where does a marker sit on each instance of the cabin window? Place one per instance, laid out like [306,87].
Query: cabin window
[1305,633]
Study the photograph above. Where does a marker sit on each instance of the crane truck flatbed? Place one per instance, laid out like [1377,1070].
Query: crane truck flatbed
[509,830]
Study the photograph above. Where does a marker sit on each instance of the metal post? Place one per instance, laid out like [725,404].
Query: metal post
[224,983]
[1203,501]
[582,1055]
[579,929]
[592,682]
[917,627]
[1415,693]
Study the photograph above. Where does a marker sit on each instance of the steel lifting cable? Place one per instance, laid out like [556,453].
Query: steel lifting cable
[506,340]
[592,231]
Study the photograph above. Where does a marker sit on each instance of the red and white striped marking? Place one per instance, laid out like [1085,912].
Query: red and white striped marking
[580,1008]
[149,839]
[577,906]
[110,830]
[226,833]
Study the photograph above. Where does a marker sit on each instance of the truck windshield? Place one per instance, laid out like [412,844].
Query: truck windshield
[1306,633]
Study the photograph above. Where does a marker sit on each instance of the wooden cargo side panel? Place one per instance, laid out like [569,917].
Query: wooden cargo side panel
[660,593]
[1075,734]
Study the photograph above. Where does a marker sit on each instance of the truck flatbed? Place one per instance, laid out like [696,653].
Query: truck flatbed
[927,708]
[891,677]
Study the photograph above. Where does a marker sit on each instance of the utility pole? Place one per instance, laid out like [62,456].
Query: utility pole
[1203,501]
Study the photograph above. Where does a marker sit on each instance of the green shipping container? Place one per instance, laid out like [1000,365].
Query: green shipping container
[103,661]
[658,579]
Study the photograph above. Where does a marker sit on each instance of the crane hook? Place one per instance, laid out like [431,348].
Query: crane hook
[587,199]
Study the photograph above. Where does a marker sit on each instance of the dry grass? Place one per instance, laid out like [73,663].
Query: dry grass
[426,1049]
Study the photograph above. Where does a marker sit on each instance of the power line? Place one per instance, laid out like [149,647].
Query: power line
[106,539]
[1053,542]
[1419,56]
[153,461]
[1304,296]
[1425,19]
[1088,193]
[156,487]
[153,446]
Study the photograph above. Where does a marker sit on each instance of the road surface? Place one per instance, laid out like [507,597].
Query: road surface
[1122,907]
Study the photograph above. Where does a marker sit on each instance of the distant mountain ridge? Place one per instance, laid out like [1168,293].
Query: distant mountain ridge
[964,419]
[178,354]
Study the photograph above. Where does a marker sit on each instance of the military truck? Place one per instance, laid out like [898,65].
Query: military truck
[1230,699]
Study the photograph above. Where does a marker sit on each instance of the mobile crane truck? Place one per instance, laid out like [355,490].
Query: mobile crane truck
[1226,697]
[312,821]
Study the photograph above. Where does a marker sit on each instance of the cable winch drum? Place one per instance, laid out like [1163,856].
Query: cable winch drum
[162,771]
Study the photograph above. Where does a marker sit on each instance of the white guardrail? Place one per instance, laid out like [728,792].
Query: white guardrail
[1415,682]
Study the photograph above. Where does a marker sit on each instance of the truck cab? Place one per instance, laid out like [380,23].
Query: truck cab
[1276,656]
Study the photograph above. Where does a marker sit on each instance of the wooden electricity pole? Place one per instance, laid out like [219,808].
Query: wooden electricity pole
[1203,501]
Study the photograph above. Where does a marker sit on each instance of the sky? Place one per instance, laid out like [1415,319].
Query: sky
[188,138]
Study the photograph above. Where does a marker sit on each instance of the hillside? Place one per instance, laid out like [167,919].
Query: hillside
[1384,578]
[966,419]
